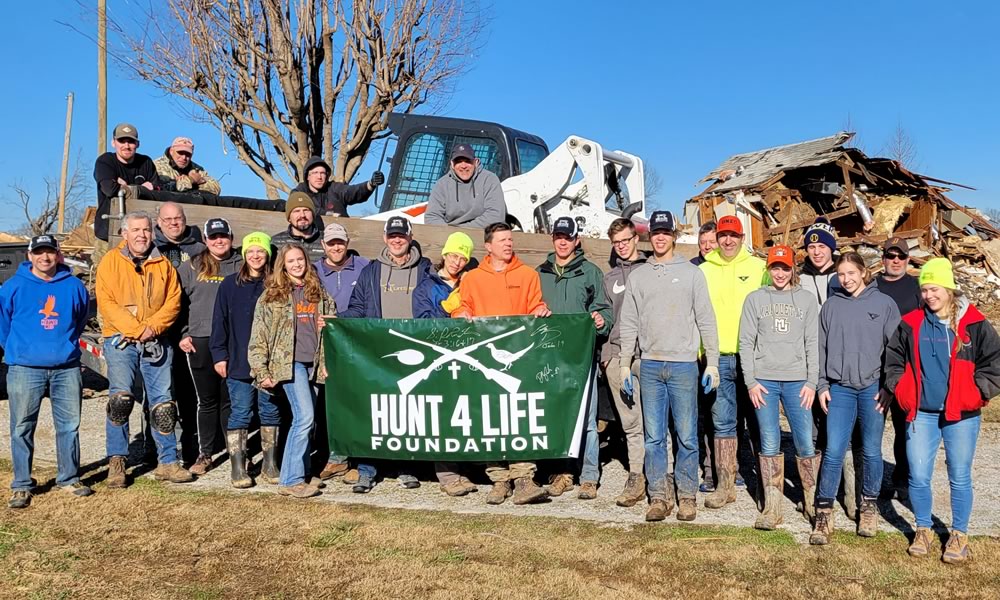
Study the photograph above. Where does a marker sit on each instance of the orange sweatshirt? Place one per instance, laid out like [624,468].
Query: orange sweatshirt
[516,290]
[129,301]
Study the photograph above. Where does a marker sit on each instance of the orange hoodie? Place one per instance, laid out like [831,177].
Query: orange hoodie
[130,300]
[516,290]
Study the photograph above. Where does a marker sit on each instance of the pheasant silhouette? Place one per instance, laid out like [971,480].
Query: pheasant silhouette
[505,358]
[49,310]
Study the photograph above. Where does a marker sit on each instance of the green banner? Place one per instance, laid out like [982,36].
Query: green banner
[494,389]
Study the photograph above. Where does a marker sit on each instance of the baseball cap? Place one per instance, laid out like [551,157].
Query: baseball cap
[298,200]
[43,241]
[463,151]
[258,239]
[182,143]
[729,223]
[781,255]
[662,220]
[217,226]
[566,226]
[397,225]
[126,130]
[898,244]
[335,231]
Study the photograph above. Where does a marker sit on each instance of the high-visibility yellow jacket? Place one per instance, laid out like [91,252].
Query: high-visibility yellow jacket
[729,283]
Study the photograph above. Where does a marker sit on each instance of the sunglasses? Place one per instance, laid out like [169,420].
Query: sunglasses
[894,256]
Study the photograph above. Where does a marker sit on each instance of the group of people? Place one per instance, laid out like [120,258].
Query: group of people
[691,350]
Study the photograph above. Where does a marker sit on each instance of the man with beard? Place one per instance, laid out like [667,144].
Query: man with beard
[302,228]
[179,173]
[332,197]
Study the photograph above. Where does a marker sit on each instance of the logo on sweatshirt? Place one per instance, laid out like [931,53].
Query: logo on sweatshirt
[873,316]
[780,325]
[49,321]
[744,277]
[618,288]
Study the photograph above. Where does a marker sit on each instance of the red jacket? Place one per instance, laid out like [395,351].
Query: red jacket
[974,371]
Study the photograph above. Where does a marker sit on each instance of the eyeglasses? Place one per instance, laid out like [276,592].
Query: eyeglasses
[623,243]
[894,256]
[172,219]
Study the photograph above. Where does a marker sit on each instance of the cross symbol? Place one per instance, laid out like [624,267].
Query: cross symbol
[454,368]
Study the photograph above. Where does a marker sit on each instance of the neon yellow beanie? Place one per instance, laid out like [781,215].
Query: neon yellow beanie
[458,243]
[937,271]
[259,239]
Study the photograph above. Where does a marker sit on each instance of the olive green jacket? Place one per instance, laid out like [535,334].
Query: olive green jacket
[272,340]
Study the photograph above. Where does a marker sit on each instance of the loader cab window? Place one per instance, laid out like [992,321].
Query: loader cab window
[425,160]
[529,154]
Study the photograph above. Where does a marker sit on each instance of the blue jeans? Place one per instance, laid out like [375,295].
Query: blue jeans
[25,389]
[242,397]
[669,393]
[123,366]
[923,437]
[301,399]
[847,406]
[799,419]
[724,407]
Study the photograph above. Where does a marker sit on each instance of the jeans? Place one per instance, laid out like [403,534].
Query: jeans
[591,470]
[848,405]
[724,407]
[123,366]
[670,394]
[300,398]
[26,387]
[923,437]
[799,419]
[242,397]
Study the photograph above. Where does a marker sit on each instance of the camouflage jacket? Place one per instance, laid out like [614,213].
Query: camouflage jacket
[173,180]
[272,341]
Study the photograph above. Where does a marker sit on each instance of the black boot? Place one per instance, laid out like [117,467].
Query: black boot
[236,445]
[270,471]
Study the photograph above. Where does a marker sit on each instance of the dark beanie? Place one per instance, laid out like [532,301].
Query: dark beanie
[821,232]
[297,200]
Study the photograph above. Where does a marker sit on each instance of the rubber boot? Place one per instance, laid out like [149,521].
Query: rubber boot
[270,471]
[236,446]
[725,461]
[850,487]
[808,475]
[772,477]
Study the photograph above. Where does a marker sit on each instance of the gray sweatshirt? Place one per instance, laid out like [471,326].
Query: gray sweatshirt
[475,203]
[779,333]
[614,289]
[853,333]
[199,293]
[667,307]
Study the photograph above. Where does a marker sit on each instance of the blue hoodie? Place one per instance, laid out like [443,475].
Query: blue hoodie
[935,353]
[232,323]
[41,321]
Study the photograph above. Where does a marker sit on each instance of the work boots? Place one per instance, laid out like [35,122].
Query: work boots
[687,509]
[823,529]
[172,472]
[658,509]
[868,518]
[956,549]
[560,484]
[772,478]
[270,470]
[236,446]
[527,491]
[500,492]
[635,490]
[725,460]
[809,474]
[922,542]
[116,473]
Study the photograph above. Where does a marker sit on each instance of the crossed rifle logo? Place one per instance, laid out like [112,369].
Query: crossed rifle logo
[414,357]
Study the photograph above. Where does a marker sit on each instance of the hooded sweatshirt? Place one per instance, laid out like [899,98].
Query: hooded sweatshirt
[576,287]
[232,322]
[514,290]
[853,333]
[340,282]
[779,335]
[936,340]
[729,283]
[190,245]
[614,289]
[668,309]
[41,321]
[396,283]
[475,203]
[366,299]
[334,198]
[200,292]
[821,284]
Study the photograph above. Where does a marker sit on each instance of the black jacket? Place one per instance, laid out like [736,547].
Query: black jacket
[335,197]
[107,170]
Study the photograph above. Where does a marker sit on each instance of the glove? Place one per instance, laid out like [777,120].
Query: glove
[378,178]
[627,386]
[710,380]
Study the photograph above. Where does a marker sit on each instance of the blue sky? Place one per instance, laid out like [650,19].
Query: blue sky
[683,87]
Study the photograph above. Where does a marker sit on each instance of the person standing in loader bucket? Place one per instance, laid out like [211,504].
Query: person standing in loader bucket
[468,196]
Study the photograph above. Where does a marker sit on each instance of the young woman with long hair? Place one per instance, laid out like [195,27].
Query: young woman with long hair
[231,325]
[943,366]
[855,325]
[200,279]
[286,349]
[779,352]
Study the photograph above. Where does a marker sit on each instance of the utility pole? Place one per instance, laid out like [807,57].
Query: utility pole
[102,77]
[65,160]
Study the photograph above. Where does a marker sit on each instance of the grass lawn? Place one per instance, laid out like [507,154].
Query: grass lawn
[159,541]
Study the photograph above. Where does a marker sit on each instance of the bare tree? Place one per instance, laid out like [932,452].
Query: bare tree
[288,79]
[900,147]
[41,217]
[993,214]
[850,126]
[653,184]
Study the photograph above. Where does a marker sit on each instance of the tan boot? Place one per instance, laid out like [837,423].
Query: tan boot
[868,518]
[560,484]
[172,472]
[588,490]
[725,488]
[922,542]
[351,477]
[808,474]
[116,473]
[457,488]
[527,491]
[500,492]
[635,490]
[823,529]
[772,476]
[687,509]
[658,510]
[333,469]
[957,549]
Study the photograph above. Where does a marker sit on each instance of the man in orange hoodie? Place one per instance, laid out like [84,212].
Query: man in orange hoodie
[505,286]
[138,298]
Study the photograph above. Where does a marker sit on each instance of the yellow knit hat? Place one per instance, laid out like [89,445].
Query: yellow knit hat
[458,243]
[259,239]
[937,271]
